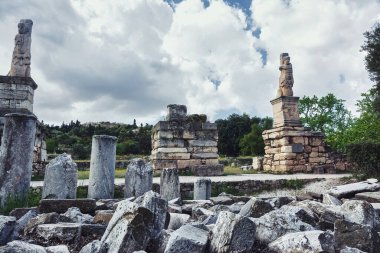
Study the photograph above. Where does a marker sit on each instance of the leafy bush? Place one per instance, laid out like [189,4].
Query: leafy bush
[365,158]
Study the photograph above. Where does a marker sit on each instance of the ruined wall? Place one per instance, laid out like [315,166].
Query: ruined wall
[186,142]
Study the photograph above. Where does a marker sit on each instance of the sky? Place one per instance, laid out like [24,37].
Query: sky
[119,60]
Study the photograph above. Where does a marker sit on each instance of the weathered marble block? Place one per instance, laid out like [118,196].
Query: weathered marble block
[61,178]
[169,184]
[202,188]
[102,168]
[138,178]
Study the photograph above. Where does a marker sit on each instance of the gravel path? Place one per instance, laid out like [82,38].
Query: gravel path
[230,178]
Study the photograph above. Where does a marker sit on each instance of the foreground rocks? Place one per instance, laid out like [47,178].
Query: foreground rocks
[225,223]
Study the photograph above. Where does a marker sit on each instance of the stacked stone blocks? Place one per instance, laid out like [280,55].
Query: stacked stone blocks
[186,142]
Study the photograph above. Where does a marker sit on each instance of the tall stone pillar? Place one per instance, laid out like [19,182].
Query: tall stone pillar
[138,178]
[202,188]
[102,168]
[16,156]
[169,184]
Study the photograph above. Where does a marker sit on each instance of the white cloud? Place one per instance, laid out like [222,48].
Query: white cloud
[119,60]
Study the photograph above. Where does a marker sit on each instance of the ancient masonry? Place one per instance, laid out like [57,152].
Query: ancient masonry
[289,146]
[17,88]
[186,142]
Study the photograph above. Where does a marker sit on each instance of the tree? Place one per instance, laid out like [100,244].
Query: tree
[253,143]
[372,61]
[327,115]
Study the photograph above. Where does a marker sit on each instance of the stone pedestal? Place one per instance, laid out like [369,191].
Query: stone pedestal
[202,188]
[61,178]
[285,111]
[169,184]
[138,178]
[186,142]
[102,168]
[16,156]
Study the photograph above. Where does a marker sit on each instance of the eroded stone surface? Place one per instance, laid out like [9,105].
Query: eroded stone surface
[73,214]
[348,190]
[169,184]
[202,188]
[7,224]
[61,178]
[62,232]
[187,239]
[22,247]
[138,178]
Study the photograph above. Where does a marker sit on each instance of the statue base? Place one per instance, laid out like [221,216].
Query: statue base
[285,111]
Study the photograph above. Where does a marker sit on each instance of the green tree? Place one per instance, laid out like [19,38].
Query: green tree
[253,143]
[328,115]
[372,61]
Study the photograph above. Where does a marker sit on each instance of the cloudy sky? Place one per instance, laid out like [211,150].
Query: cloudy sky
[120,60]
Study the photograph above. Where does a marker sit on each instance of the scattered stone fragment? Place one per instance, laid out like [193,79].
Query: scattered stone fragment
[197,212]
[177,220]
[61,232]
[348,234]
[93,230]
[360,212]
[158,244]
[92,247]
[61,205]
[22,222]
[7,224]
[57,249]
[169,184]
[351,250]
[103,217]
[278,202]
[291,218]
[330,200]
[22,247]
[44,218]
[129,229]
[304,242]
[60,181]
[222,200]
[373,197]
[19,212]
[232,233]
[187,239]
[176,201]
[349,190]
[255,208]
[159,207]
[74,215]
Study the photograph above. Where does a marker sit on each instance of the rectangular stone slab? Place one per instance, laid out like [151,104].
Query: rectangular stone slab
[61,205]
[372,197]
[348,190]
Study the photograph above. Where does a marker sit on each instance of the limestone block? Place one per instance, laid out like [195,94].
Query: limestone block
[320,160]
[204,155]
[64,232]
[349,190]
[316,141]
[171,156]
[176,112]
[61,178]
[287,162]
[161,164]
[7,224]
[206,135]
[294,148]
[102,167]
[274,135]
[298,140]
[232,233]
[187,239]
[272,151]
[170,150]
[168,143]
[138,178]
[257,162]
[22,247]
[16,156]
[73,214]
[313,154]
[307,148]
[203,150]
[321,149]
[169,184]
[202,188]
[129,229]
[177,220]
[315,149]
[202,143]
[288,156]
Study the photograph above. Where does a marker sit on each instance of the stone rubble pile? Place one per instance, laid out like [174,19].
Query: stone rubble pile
[226,223]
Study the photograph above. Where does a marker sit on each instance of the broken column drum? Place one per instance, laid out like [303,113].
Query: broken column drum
[202,188]
[169,184]
[16,156]
[102,168]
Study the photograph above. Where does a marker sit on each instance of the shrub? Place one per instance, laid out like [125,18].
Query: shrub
[365,158]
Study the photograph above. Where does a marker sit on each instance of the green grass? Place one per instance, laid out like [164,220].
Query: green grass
[85,174]
[31,200]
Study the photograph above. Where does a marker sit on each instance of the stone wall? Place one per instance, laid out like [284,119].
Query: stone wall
[186,142]
[295,149]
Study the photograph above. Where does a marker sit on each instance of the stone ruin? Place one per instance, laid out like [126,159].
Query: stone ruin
[289,146]
[17,89]
[186,142]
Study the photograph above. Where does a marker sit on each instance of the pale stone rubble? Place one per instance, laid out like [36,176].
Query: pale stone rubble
[289,146]
[225,223]
[186,142]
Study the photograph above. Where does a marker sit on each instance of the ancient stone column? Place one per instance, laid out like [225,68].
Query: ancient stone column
[16,156]
[138,178]
[169,184]
[61,178]
[202,188]
[102,168]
